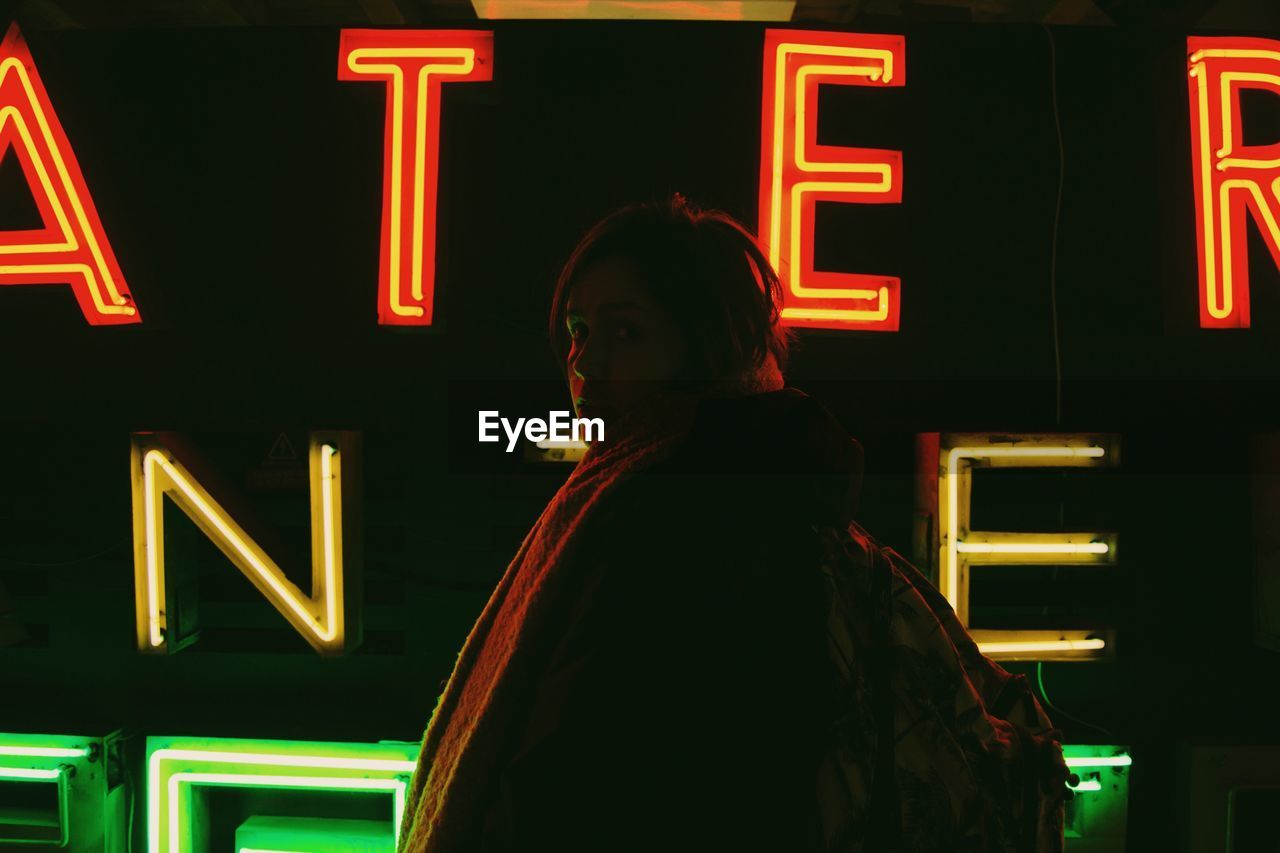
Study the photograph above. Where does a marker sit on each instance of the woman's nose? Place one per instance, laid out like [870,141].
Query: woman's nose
[586,364]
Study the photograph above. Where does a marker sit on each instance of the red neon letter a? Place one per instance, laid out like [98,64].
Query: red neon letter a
[796,172]
[413,64]
[71,247]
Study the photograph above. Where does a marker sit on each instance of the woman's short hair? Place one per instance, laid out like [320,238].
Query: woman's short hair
[701,266]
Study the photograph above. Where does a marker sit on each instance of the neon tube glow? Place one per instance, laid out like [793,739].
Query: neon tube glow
[413,64]
[319,617]
[1100,761]
[1230,179]
[961,547]
[173,763]
[796,172]
[29,773]
[71,247]
[44,751]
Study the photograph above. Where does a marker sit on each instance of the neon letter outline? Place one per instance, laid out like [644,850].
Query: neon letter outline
[413,64]
[954,455]
[1229,177]
[326,618]
[796,172]
[71,247]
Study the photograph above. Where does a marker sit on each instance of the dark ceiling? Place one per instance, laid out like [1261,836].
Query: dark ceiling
[38,15]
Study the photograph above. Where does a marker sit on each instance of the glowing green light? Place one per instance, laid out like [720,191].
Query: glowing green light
[271,834]
[42,751]
[1098,816]
[1100,761]
[29,773]
[173,763]
[70,763]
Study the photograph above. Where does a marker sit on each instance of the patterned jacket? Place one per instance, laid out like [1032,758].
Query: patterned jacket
[725,671]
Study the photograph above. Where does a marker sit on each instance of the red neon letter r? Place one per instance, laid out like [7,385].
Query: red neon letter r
[1230,177]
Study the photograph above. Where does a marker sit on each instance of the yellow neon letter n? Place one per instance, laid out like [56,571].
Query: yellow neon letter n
[327,617]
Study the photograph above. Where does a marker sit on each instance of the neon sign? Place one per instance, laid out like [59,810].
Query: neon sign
[1098,814]
[325,617]
[71,246]
[796,172]
[954,457]
[83,798]
[178,770]
[413,64]
[175,766]
[1229,176]
[1232,181]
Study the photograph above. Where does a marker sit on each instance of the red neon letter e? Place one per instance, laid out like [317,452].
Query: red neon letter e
[413,64]
[1230,177]
[70,247]
[796,172]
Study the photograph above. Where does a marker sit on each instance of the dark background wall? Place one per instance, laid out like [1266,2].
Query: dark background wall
[239,183]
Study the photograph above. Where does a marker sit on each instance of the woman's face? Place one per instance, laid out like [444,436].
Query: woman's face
[624,347]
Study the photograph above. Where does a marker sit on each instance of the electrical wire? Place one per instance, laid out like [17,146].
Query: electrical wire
[1053,303]
[1059,711]
[132,805]
[1057,216]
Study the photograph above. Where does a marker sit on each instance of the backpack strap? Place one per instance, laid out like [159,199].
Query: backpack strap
[1029,752]
[884,832]
[1015,689]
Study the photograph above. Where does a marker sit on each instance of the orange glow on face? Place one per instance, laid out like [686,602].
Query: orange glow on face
[796,172]
[413,64]
[1230,177]
[71,246]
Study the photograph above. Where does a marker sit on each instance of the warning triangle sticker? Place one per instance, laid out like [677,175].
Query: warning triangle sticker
[282,450]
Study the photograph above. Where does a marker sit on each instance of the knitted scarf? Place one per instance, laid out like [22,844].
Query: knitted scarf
[461,751]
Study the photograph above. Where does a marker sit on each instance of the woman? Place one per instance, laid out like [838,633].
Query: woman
[657,668]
